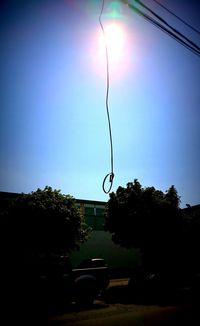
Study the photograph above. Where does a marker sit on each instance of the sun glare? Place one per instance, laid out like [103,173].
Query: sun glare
[114,39]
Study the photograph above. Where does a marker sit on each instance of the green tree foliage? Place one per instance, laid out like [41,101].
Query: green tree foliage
[147,219]
[43,221]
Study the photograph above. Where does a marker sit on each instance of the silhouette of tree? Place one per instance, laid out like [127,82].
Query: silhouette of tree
[43,221]
[191,238]
[147,219]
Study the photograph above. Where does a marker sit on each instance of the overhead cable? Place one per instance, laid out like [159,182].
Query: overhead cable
[193,49]
[168,25]
[178,17]
[110,175]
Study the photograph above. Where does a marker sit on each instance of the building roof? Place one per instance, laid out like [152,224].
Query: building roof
[12,195]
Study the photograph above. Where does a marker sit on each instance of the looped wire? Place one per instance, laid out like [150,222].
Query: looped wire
[111,175]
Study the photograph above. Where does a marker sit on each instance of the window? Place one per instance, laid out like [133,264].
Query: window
[89,211]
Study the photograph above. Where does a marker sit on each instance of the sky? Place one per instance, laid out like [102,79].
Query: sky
[53,120]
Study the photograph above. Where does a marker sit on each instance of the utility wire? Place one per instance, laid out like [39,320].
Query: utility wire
[178,17]
[190,45]
[110,175]
[168,25]
[163,28]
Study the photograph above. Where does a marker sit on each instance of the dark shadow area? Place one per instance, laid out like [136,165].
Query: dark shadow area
[73,307]
[183,303]
[125,294]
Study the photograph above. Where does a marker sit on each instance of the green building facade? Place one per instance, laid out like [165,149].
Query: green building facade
[100,244]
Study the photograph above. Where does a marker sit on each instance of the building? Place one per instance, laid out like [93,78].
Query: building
[100,244]
[93,212]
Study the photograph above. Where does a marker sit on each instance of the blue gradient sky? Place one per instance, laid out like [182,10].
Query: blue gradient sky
[53,127]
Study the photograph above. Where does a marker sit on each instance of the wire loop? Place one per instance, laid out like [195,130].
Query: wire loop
[111,175]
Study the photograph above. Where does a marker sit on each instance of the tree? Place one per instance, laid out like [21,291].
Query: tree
[191,237]
[147,219]
[43,222]
[36,226]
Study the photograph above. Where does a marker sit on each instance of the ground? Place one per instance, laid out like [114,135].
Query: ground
[116,310]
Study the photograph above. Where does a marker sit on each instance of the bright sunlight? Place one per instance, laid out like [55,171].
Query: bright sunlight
[116,41]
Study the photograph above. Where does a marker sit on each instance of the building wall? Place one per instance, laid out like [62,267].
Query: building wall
[100,243]
[93,212]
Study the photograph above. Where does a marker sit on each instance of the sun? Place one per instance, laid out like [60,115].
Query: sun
[114,38]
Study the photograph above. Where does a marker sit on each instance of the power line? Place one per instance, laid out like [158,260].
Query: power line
[171,31]
[178,17]
[110,175]
[163,28]
[167,24]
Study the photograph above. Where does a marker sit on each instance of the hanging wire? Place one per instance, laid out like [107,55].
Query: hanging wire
[110,175]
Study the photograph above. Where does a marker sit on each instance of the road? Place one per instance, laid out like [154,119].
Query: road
[117,314]
[123,314]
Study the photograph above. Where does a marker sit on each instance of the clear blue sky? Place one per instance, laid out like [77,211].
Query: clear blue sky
[53,123]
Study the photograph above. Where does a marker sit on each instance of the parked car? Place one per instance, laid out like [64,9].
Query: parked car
[92,262]
[56,282]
